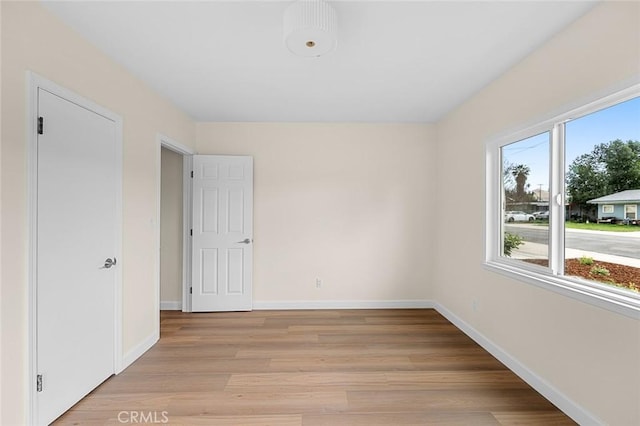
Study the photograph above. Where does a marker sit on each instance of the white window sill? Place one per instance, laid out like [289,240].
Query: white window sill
[600,295]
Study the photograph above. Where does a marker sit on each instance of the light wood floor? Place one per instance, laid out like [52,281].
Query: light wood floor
[328,367]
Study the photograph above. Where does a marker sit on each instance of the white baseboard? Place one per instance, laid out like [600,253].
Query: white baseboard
[342,304]
[171,305]
[569,407]
[138,350]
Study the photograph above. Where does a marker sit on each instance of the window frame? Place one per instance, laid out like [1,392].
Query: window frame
[551,278]
[608,207]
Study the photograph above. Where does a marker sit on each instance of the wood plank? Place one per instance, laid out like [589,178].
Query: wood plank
[164,383]
[239,339]
[210,322]
[450,380]
[342,363]
[405,419]
[393,338]
[262,420]
[456,361]
[285,322]
[447,400]
[211,365]
[367,329]
[257,403]
[375,380]
[368,350]
[533,418]
[189,351]
[77,416]
[306,380]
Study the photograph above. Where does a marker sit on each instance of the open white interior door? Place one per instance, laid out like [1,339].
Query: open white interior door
[222,240]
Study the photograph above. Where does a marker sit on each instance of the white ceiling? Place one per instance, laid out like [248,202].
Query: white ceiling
[396,61]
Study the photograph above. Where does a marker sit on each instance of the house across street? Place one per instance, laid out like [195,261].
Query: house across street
[619,207]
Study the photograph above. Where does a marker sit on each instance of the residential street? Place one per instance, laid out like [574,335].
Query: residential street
[625,244]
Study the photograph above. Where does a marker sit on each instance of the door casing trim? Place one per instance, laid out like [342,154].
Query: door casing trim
[33,83]
[187,153]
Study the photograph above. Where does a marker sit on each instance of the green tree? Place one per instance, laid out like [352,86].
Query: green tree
[508,184]
[507,178]
[520,173]
[622,160]
[610,167]
[586,179]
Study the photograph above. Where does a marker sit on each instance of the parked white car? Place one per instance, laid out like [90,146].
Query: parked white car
[518,216]
[542,215]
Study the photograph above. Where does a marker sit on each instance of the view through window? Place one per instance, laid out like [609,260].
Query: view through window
[601,178]
[602,175]
[525,174]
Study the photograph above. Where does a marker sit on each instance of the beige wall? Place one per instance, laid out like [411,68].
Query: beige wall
[34,40]
[589,354]
[171,228]
[348,203]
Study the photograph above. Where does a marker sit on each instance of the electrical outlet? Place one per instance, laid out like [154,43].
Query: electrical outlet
[318,283]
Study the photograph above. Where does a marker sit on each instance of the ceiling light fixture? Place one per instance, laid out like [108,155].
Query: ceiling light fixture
[310,28]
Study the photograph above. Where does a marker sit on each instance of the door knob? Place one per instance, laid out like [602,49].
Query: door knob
[245,241]
[109,263]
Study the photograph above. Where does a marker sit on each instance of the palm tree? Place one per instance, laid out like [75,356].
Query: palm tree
[520,172]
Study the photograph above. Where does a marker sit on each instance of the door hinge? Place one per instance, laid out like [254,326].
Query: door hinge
[39,383]
[190,290]
[40,125]
[192,173]
[191,232]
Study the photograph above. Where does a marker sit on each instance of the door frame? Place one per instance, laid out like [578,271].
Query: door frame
[187,153]
[35,82]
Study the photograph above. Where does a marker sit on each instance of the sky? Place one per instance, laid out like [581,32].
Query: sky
[621,121]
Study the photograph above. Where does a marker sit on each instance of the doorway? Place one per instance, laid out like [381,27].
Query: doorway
[205,207]
[174,212]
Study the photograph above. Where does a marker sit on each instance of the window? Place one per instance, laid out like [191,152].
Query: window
[542,218]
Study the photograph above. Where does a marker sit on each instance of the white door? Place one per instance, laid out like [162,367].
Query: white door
[76,241]
[222,240]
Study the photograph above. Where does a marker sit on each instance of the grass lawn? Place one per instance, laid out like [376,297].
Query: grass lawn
[602,227]
[599,227]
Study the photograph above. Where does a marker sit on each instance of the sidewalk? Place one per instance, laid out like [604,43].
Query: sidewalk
[539,251]
[635,234]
